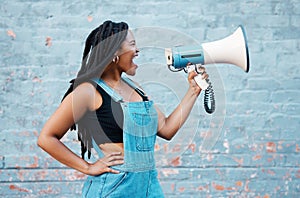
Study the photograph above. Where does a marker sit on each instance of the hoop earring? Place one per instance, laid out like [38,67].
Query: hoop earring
[116,59]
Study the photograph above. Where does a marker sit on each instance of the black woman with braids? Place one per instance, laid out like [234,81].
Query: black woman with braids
[114,117]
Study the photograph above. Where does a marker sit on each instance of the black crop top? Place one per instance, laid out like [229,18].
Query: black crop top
[105,124]
[110,117]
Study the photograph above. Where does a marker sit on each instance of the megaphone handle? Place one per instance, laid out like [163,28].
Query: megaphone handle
[202,83]
[209,96]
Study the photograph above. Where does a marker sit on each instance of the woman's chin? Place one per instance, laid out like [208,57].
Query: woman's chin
[132,71]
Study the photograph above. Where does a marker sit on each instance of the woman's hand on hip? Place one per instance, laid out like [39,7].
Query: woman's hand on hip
[103,165]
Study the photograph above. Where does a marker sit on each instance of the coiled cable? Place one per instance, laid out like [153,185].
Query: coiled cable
[209,98]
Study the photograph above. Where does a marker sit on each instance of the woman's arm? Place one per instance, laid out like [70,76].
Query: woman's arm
[73,107]
[168,126]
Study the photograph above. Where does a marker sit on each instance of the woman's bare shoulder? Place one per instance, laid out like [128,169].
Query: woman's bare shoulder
[86,92]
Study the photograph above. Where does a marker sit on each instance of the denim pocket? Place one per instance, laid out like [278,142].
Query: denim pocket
[113,182]
[140,119]
[144,130]
[145,143]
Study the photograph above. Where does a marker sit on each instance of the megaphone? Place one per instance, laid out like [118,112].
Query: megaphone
[232,49]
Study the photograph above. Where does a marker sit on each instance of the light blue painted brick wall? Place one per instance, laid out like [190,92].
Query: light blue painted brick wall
[256,148]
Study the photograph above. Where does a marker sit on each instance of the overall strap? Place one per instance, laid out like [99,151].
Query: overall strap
[129,82]
[115,96]
[136,88]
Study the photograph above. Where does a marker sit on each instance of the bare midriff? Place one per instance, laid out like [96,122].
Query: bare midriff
[108,148]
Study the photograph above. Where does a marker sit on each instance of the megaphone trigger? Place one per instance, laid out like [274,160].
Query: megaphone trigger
[199,69]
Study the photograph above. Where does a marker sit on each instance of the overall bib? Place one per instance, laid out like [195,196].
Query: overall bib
[138,176]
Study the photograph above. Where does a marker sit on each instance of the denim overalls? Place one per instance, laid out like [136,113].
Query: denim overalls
[138,176]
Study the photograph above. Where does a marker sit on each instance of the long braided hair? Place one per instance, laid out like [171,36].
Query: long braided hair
[100,48]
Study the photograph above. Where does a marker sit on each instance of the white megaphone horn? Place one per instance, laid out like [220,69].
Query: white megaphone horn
[232,49]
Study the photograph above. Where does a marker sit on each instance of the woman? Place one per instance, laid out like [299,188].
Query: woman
[114,117]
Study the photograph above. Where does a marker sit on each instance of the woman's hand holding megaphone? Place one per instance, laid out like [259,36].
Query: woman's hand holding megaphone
[197,74]
[197,78]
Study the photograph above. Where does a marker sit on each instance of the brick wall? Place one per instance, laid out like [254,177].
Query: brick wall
[248,148]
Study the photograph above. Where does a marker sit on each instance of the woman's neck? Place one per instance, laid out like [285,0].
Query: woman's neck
[112,75]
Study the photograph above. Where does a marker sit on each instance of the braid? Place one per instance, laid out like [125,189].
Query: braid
[100,48]
[89,43]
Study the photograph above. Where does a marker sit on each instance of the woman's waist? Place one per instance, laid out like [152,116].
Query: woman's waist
[134,161]
[108,148]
